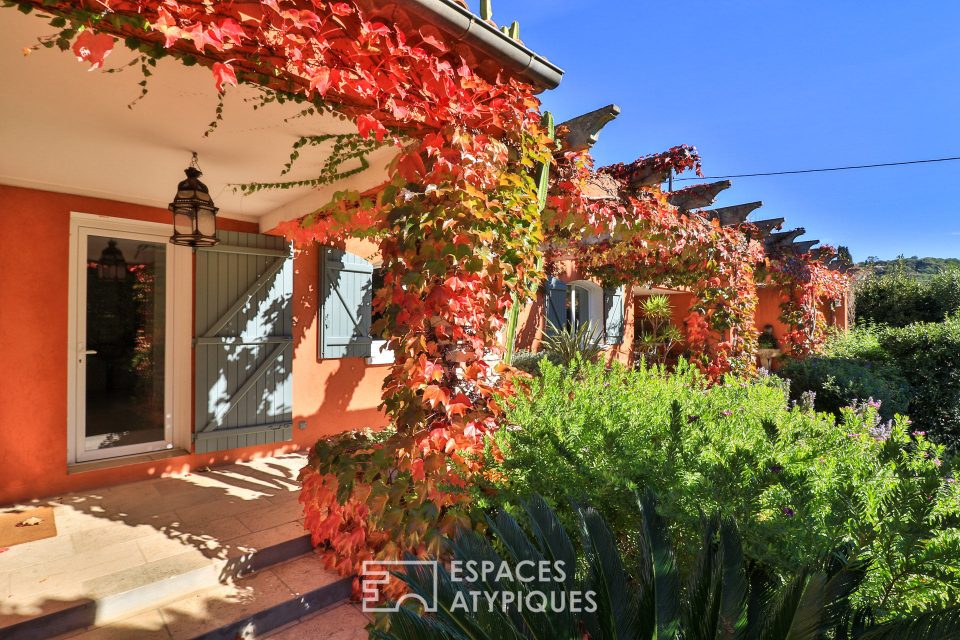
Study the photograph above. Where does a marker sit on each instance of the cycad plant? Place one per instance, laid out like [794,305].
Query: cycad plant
[717,601]
[564,345]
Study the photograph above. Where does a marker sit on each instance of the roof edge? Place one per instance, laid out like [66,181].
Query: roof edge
[466,27]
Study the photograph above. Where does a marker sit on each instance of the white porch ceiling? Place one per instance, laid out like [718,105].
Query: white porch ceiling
[69,130]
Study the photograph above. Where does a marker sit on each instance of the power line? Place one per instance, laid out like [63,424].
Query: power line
[847,168]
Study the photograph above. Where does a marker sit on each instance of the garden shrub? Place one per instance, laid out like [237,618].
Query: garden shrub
[837,382]
[928,355]
[898,300]
[795,481]
[852,367]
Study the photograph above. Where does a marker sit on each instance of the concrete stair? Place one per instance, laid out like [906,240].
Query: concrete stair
[177,597]
[273,598]
[220,553]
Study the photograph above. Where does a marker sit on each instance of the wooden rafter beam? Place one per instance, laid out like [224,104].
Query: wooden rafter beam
[803,247]
[782,239]
[601,186]
[768,226]
[732,215]
[583,131]
[698,196]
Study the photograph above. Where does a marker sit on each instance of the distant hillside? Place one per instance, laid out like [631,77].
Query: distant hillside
[913,266]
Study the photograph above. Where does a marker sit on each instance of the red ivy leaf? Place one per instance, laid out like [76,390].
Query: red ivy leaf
[232,29]
[223,73]
[320,81]
[93,48]
[341,9]
[367,123]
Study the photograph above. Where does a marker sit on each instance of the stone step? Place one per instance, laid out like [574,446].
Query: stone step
[338,622]
[143,587]
[273,598]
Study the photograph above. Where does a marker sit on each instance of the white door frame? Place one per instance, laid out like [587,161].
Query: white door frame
[179,311]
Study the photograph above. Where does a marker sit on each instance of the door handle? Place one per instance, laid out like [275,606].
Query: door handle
[90,352]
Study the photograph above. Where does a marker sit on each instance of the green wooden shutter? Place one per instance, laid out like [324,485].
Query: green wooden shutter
[555,303]
[346,292]
[243,342]
[614,314]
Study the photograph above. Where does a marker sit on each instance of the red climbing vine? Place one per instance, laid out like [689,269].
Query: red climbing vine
[460,228]
[631,234]
[808,290]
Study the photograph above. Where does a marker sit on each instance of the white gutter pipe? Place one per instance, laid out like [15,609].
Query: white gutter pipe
[464,26]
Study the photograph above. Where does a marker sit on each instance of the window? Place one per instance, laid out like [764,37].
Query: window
[571,306]
[347,285]
[379,351]
[578,308]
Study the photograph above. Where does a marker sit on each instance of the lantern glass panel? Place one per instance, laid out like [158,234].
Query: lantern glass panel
[206,223]
[182,222]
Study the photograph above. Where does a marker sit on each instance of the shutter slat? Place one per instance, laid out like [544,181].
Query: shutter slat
[555,302]
[244,321]
[613,305]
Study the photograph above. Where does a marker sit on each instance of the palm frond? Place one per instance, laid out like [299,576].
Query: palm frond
[616,614]
[550,535]
[784,618]
[518,544]
[407,624]
[701,609]
[660,592]
[734,597]
[933,625]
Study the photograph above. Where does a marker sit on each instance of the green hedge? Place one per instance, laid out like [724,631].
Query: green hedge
[898,300]
[796,481]
[928,356]
[913,370]
[853,366]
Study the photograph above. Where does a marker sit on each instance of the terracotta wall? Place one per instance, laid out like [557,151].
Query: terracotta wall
[34,246]
[329,395]
[530,327]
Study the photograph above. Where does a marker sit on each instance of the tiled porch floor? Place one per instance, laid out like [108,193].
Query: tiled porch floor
[161,525]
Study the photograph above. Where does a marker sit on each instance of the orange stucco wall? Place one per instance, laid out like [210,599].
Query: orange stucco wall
[531,319]
[329,396]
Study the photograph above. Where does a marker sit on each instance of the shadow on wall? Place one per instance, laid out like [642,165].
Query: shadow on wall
[329,395]
[530,325]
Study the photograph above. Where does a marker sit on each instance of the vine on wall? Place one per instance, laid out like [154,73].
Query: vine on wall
[808,289]
[459,227]
[638,238]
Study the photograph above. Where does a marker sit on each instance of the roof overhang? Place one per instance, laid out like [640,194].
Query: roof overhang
[68,130]
[485,40]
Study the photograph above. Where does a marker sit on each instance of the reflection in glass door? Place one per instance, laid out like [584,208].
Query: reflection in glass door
[123,289]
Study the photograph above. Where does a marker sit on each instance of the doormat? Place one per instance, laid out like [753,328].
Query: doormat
[16,527]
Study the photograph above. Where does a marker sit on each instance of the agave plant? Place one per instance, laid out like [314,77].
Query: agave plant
[716,602]
[564,345]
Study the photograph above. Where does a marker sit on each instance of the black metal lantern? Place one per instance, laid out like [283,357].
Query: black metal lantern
[194,214]
[111,266]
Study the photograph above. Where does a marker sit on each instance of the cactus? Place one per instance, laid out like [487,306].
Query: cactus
[486,9]
[543,182]
[543,171]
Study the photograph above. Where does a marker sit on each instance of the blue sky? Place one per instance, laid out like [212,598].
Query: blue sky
[768,85]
